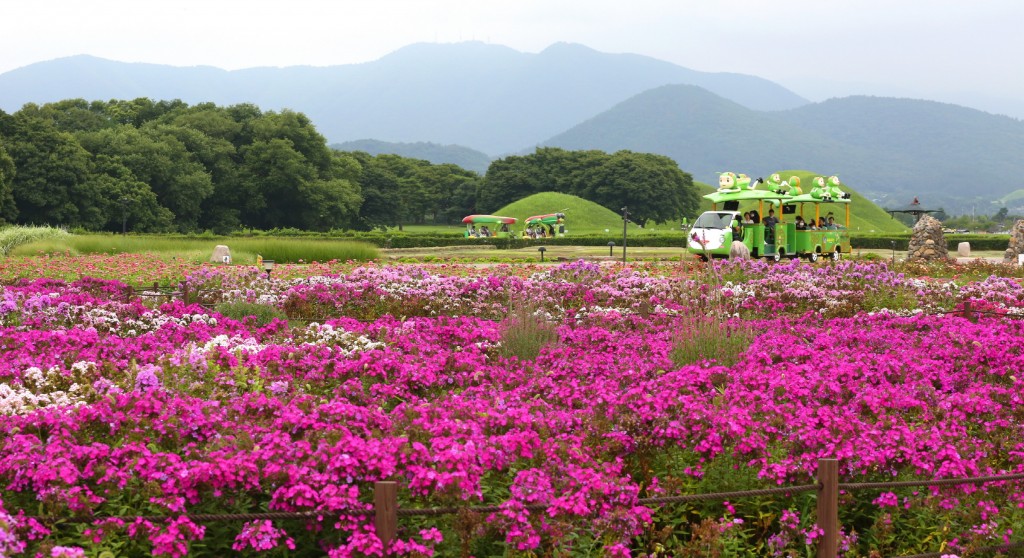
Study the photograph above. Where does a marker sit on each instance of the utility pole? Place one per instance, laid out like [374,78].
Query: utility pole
[625,222]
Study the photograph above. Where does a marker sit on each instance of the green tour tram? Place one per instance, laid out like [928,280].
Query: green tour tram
[548,225]
[484,226]
[801,228]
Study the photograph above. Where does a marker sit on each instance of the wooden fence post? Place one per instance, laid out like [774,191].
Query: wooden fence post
[385,507]
[968,313]
[828,507]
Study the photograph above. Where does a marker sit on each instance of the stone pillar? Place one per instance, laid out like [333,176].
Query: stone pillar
[1016,246]
[963,249]
[927,242]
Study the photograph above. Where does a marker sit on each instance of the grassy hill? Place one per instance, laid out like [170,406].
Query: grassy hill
[1014,198]
[585,217]
[581,216]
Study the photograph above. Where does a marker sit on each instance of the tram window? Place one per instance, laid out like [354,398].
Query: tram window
[731,205]
[788,209]
[711,220]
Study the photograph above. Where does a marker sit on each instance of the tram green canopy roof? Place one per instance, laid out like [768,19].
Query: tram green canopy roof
[745,195]
[807,198]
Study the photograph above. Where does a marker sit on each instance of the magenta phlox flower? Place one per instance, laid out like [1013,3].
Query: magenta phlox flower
[261,536]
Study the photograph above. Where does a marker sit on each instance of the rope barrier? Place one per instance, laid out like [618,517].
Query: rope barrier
[206,517]
[937,482]
[642,501]
[728,495]
[997,548]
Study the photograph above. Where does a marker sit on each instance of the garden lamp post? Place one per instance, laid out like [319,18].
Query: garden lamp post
[625,221]
[542,250]
[893,251]
[611,246]
[268,266]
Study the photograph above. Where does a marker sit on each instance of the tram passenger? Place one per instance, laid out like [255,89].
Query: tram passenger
[769,227]
[755,218]
[746,218]
[801,225]
[737,228]
[831,223]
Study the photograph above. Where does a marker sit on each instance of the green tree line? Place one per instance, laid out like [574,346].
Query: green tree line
[165,166]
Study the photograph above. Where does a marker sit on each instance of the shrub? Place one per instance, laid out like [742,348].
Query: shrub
[263,314]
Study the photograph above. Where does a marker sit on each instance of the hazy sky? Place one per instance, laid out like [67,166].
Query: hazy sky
[945,50]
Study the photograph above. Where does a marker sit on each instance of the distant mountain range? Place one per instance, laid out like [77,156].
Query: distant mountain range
[469,159]
[466,103]
[891,150]
[487,97]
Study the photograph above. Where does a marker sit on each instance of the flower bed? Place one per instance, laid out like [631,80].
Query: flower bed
[110,407]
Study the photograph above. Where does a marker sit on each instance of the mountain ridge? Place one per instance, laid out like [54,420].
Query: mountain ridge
[466,102]
[942,153]
[487,97]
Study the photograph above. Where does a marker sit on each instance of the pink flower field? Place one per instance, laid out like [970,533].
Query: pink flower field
[560,395]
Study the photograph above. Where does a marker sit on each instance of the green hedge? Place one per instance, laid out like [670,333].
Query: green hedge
[902,242]
[877,241]
[428,241]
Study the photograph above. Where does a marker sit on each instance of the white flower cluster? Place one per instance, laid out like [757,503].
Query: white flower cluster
[323,280]
[236,343]
[346,342]
[152,321]
[592,311]
[20,400]
[738,291]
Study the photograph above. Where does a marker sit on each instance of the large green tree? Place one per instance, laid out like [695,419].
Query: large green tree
[159,159]
[652,186]
[51,178]
[511,179]
[8,209]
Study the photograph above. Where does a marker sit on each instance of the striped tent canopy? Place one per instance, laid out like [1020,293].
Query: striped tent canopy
[488,220]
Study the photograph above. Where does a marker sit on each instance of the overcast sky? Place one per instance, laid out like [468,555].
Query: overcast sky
[945,50]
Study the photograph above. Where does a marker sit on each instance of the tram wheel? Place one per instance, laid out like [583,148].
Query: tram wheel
[837,255]
[812,257]
[777,256]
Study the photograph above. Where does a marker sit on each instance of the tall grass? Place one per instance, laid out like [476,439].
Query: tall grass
[525,332]
[710,339]
[709,334]
[243,250]
[13,237]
